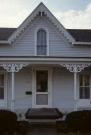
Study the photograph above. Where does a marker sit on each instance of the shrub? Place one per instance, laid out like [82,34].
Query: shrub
[62,127]
[8,121]
[79,121]
[23,127]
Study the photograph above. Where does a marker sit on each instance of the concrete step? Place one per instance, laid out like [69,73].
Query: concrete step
[44,131]
[43,122]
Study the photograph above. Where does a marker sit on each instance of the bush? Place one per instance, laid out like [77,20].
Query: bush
[62,127]
[23,127]
[8,121]
[79,121]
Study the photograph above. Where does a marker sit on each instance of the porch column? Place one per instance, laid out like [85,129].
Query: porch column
[13,92]
[75,90]
[12,68]
[75,68]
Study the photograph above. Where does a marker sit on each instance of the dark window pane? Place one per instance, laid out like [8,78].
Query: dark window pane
[41,50]
[1,80]
[81,80]
[81,93]
[41,37]
[86,80]
[84,92]
[1,93]
[42,81]
[87,92]
[41,42]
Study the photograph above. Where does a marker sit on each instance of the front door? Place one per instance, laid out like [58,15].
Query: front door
[42,88]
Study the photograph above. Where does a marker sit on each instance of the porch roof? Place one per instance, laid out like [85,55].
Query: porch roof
[44,59]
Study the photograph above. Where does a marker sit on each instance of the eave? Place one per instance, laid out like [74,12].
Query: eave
[81,43]
[44,60]
[4,42]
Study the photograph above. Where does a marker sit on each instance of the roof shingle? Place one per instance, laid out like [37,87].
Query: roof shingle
[5,33]
[81,35]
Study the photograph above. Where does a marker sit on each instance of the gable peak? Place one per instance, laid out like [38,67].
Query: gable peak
[41,4]
[40,10]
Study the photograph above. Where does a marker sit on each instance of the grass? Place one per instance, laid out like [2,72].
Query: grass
[29,133]
[74,133]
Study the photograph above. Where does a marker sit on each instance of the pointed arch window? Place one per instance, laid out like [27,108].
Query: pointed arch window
[41,42]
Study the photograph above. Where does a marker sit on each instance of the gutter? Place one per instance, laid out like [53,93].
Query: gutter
[4,42]
[81,43]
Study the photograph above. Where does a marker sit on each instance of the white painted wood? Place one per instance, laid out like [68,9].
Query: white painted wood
[40,8]
[84,103]
[13,93]
[5,88]
[75,91]
[63,89]
[58,44]
[82,43]
[34,87]
[50,88]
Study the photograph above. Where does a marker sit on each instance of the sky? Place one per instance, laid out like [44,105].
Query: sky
[74,14]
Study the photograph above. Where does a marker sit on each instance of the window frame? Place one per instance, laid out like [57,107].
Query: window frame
[83,86]
[47,40]
[3,102]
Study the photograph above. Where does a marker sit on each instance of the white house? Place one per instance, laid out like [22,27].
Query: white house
[42,64]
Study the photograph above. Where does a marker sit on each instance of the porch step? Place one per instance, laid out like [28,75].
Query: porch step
[43,114]
[43,122]
[44,131]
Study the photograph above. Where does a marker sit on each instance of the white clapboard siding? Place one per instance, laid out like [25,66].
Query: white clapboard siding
[62,89]
[23,83]
[58,44]
[63,85]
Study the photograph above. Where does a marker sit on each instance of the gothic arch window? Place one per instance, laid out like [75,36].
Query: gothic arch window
[41,42]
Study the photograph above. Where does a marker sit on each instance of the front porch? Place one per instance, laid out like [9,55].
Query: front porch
[62,85]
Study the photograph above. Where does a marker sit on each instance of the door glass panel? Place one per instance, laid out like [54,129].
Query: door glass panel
[41,81]
[42,99]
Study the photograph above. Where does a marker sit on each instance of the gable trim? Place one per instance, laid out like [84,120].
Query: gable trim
[4,42]
[42,9]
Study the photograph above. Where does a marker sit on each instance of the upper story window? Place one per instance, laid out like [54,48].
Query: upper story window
[41,42]
[84,92]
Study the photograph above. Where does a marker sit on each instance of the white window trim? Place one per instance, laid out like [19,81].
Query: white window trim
[84,86]
[3,102]
[47,36]
[84,103]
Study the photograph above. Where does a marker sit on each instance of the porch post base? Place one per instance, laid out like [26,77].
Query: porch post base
[12,105]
